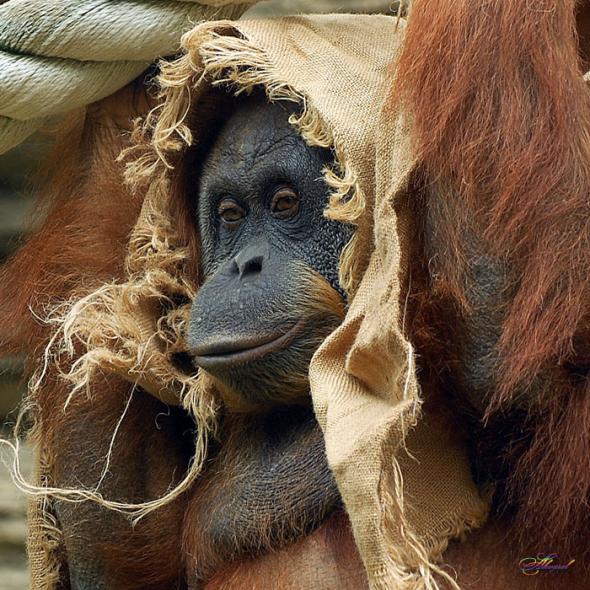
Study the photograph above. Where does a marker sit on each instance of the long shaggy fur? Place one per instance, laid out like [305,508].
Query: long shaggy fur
[81,242]
[502,115]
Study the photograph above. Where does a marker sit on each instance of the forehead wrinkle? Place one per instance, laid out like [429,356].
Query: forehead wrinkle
[275,143]
[243,147]
[259,146]
[247,151]
[233,166]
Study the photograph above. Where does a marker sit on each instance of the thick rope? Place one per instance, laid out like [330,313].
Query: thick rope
[59,55]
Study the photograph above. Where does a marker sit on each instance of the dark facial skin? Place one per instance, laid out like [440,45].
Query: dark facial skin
[266,246]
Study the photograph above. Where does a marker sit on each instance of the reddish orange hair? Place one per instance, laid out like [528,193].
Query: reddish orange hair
[501,115]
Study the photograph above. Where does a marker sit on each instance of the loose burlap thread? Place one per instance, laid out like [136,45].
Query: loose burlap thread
[403,477]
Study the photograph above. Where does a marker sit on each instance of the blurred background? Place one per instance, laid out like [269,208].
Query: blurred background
[17,171]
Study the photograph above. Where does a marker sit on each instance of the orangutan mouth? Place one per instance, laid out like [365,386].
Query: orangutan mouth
[221,353]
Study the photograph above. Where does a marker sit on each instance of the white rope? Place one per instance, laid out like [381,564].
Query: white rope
[58,55]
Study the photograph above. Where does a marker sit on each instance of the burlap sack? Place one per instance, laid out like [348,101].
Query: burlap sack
[404,479]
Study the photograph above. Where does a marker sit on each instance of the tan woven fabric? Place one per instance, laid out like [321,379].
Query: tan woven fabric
[44,540]
[404,479]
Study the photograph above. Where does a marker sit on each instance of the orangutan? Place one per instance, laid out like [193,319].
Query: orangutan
[497,299]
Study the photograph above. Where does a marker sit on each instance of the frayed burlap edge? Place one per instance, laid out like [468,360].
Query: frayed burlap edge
[228,59]
[130,330]
[423,554]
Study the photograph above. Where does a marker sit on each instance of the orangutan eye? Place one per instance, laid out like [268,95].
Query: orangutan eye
[230,212]
[285,203]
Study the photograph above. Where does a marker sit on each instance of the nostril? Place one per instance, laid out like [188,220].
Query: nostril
[250,260]
[250,266]
[246,266]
